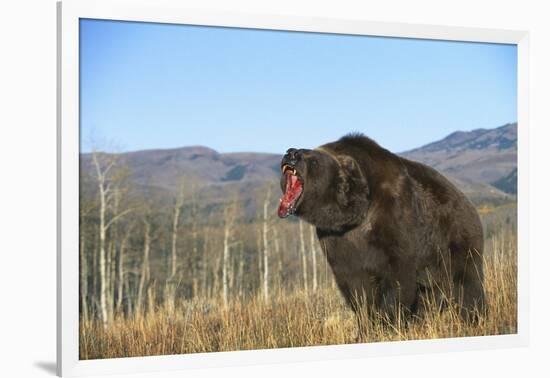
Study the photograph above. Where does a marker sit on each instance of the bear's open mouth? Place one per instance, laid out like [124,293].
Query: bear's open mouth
[293,190]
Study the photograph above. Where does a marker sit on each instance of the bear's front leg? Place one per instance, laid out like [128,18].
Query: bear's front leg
[398,291]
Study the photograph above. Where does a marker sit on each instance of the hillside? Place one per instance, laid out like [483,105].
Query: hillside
[482,155]
[165,168]
[481,162]
[509,183]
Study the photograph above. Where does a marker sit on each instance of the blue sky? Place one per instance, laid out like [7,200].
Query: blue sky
[146,85]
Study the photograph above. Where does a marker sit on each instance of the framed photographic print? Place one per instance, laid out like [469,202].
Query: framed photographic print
[285,188]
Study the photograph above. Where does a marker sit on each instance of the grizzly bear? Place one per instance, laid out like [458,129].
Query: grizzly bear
[390,228]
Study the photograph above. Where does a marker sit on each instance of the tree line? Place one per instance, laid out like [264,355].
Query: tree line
[140,250]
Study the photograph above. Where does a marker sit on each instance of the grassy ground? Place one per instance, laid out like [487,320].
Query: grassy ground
[296,319]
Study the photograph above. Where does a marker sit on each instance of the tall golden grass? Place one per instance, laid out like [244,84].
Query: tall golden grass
[294,319]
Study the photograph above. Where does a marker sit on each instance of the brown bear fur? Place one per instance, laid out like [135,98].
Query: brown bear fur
[390,228]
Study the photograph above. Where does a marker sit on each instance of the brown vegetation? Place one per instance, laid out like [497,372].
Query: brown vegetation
[294,318]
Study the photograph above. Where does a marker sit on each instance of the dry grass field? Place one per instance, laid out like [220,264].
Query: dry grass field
[294,319]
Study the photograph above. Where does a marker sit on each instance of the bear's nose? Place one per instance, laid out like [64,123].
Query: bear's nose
[292,156]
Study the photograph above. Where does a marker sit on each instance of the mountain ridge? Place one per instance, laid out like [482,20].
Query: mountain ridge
[480,162]
[481,155]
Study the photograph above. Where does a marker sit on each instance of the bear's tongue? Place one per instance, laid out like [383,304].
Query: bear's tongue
[292,192]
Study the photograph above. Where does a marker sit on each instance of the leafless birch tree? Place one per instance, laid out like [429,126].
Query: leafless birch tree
[313,257]
[120,269]
[266,251]
[145,269]
[303,254]
[197,260]
[103,165]
[86,208]
[171,282]
[230,211]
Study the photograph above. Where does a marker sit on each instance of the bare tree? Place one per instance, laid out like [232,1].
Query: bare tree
[265,230]
[197,260]
[118,244]
[303,254]
[171,284]
[120,269]
[260,256]
[104,190]
[240,273]
[230,211]
[83,274]
[279,257]
[113,250]
[175,223]
[104,164]
[313,256]
[217,263]
[206,284]
[145,269]
[86,208]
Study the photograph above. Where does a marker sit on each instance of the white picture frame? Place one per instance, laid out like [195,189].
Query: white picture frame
[170,11]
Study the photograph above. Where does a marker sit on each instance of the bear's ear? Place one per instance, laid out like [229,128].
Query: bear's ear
[351,181]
